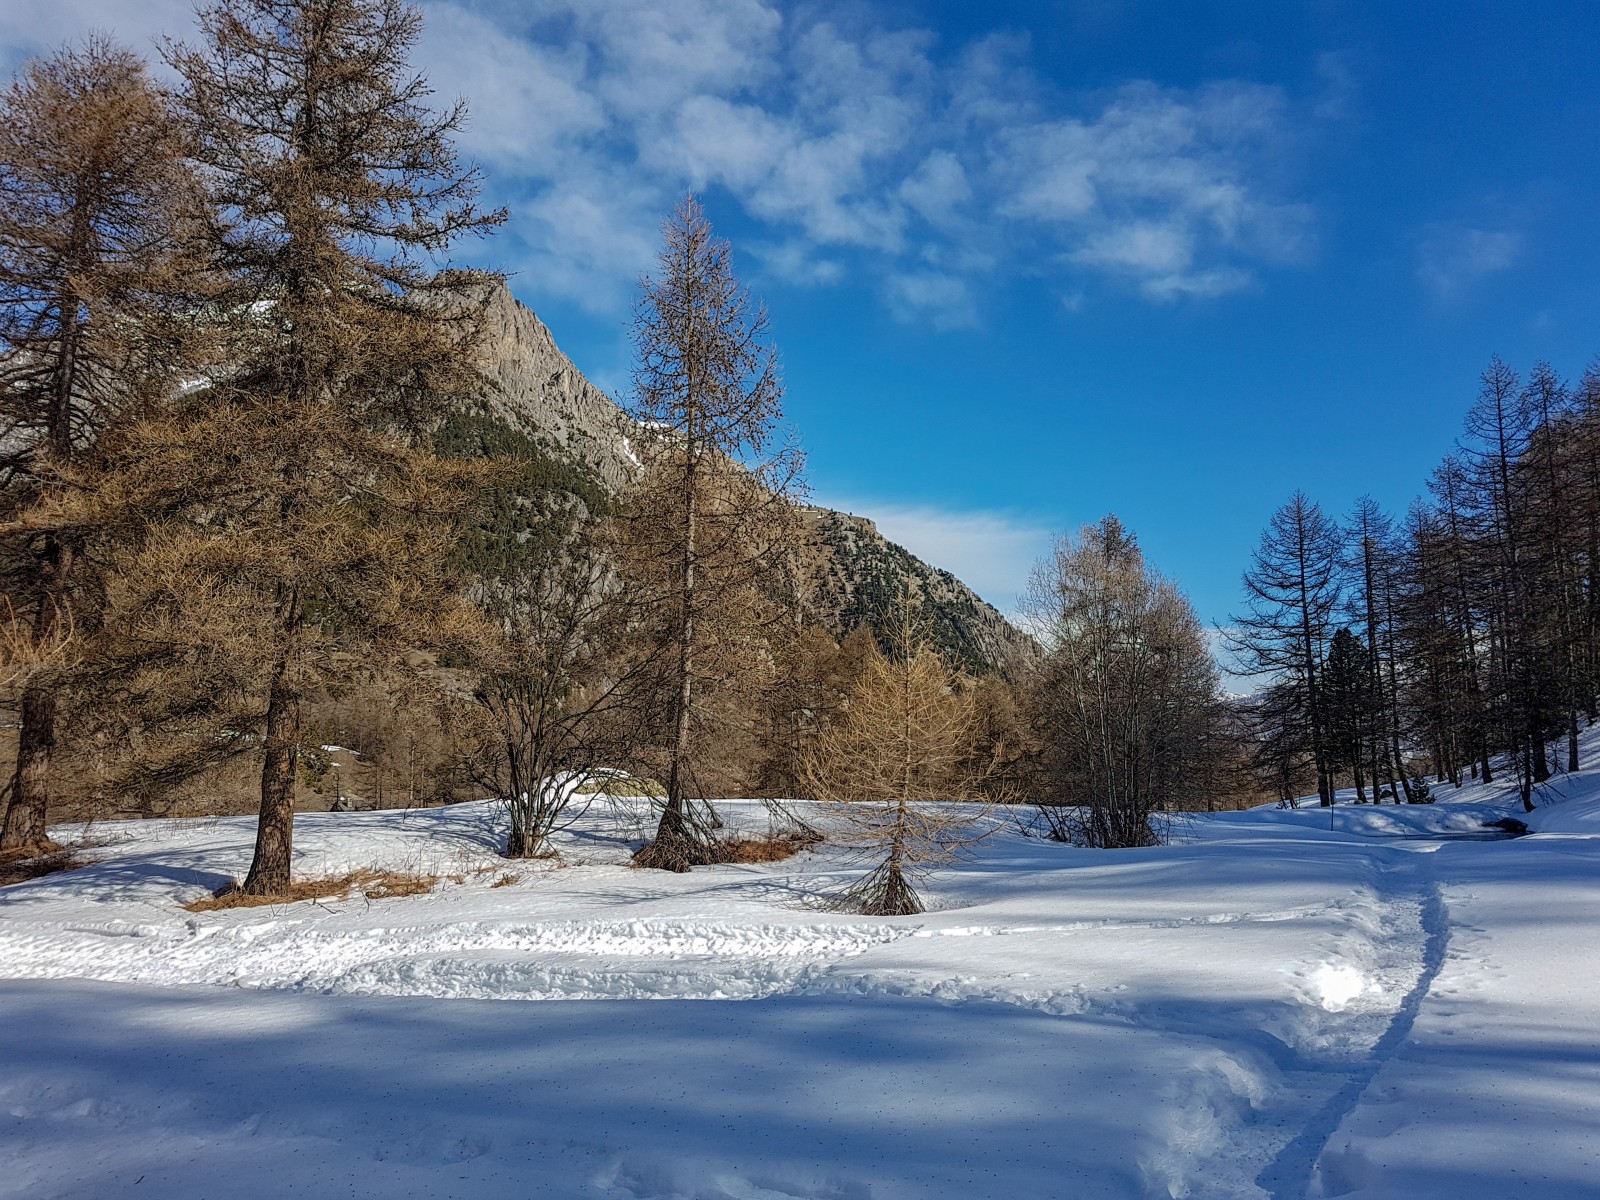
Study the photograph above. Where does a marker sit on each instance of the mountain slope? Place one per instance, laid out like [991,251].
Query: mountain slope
[576,441]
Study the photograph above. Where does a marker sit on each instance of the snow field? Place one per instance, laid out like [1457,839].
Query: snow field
[1265,1008]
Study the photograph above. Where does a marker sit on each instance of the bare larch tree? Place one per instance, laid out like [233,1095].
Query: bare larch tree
[708,524]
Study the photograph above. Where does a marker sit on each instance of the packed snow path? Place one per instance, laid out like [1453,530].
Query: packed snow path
[1266,1009]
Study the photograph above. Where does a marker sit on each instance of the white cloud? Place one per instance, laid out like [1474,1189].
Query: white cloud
[1156,189]
[856,149]
[938,189]
[1451,259]
[528,99]
[797,262]
[945,301]
[32,27]
[1142,248]
[992,553]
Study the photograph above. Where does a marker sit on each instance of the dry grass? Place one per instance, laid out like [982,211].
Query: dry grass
[773,848]
[507,879]
[374,885]
[20,870]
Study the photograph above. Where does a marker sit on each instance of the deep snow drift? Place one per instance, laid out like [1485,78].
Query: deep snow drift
[1265,1008]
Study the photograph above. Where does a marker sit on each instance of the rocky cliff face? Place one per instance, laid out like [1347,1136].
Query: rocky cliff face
[542,403]
[539,392]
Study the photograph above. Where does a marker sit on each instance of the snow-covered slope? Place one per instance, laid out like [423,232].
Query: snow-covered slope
[1266,1008]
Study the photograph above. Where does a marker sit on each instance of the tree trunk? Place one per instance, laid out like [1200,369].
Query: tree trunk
[270,870]
[27,814]
[673,847]
[25,832]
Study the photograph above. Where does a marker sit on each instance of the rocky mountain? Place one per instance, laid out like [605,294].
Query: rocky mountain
[576,442]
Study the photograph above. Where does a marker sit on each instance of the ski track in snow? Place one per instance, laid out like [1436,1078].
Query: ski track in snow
[1292,1171]
[481,960]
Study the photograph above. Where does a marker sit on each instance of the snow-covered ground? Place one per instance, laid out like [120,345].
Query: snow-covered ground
[1268,1007]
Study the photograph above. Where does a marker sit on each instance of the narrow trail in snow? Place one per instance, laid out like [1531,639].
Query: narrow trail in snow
[1292,1171]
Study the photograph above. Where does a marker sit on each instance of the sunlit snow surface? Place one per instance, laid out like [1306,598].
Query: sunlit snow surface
[1268,1007]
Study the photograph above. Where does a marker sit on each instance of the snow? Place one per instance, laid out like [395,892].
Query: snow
[1392,1007]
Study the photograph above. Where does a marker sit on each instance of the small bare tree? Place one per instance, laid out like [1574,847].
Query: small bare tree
[560,684]
[896,762]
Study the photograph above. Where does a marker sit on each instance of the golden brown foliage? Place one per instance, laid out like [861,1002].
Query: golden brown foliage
[99,284]
[895,759]
[316,523]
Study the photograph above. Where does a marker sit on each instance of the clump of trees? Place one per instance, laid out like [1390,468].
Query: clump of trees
[1123,700]
[224,347]
[245,501]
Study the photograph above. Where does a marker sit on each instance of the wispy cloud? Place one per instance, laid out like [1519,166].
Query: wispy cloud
[1451,260]
[927,172]
[867,153]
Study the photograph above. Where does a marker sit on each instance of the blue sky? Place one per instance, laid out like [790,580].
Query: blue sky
[1031,263]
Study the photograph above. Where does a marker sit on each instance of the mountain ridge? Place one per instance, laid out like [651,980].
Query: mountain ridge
[539,395]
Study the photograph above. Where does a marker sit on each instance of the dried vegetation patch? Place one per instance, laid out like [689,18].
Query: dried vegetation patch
[374,885]
[21,869]
[773,848]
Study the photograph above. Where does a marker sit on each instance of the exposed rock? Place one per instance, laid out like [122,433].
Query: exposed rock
[543,401]
[539,392]
[858,576]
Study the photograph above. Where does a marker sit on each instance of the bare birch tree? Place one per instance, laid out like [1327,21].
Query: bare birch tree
[561,686]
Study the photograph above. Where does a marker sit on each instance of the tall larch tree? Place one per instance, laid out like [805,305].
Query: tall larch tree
[710,523]
[1292,593]
[97,305]
[338,189]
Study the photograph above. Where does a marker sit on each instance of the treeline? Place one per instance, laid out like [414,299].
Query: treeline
[1462,641]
